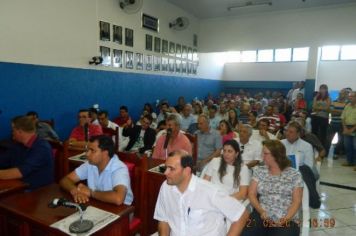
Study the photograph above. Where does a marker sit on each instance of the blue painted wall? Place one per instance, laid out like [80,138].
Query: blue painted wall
[256,86]
[57,92]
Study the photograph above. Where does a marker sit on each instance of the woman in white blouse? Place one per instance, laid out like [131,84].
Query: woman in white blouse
[228,172]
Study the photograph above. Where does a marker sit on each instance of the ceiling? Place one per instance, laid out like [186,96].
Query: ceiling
[219,8]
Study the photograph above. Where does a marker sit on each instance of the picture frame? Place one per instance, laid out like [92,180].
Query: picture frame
[195,68]
[178,66]
[156,63]
[139,61]
[148,62]
[171,64]
[149,41]
[189,68]
[184,52]
[129,37]
[195,55]
[164,64]
[178,50]
[184,67]
[150,22]
[165,47]
[117,34]
[117,58]
[190,54]
[129,60]
[157,47]
[105,54]
[172,49]
[104,31]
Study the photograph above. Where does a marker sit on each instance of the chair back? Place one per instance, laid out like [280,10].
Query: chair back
[193,138]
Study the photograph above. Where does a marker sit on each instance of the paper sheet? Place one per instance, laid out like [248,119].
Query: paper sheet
[99,217]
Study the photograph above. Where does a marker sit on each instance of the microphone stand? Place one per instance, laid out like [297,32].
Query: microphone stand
[79,226]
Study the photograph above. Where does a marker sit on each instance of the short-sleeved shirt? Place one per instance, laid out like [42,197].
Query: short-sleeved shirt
[200,210]
[349,114]
[208,143]
[114,174]
[250,151]
[185,122]
[276,191]
[227,183]
[78,132]
[181,142]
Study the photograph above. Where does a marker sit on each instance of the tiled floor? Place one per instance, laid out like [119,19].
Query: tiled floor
[338,205]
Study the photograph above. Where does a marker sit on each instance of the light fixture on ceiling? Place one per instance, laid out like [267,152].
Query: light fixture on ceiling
[250,4]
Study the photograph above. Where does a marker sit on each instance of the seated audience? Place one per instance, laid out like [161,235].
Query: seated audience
[223,112]
[78,136]
[274,120]
[148,110]
[244,114]
[228,171]
[43,130]
[187,118]
[107,177]
[275,193]
[124,116]
[176,140]
[209,142]
[180,104]
[300,103]
[142,137]
[262,133]
[214,119]
[252,119]
[188,205]
[226,131]
[233,119]
[94,116]
[30,159]
[250,149]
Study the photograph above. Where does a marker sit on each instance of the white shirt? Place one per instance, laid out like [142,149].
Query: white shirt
[302,149]
[251,151]
[200,210]
[256,136]
[123,141]
[227,182]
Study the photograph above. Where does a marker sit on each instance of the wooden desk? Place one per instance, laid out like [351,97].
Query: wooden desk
[11,186]
[28,213]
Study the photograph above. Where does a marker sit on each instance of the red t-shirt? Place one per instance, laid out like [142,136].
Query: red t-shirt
[78,132]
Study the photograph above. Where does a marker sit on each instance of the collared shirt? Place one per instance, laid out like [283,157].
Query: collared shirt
[208,143]
[180,142]
[114,174]
[274,122]
[123,141]
[185,122]
[78,132]
[302,149]
[349,114]
[200,210]
[251,151]
[258,137]
[214,122]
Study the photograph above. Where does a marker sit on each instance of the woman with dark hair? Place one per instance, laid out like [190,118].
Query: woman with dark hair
[280,190]
[233,119]
[226,131]
[320,115]
[228,172]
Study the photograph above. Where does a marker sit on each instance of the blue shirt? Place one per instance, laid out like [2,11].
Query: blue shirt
[114,174]
[35,163]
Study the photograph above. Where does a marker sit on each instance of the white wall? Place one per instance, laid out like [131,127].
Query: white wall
[66,32]
[337,74]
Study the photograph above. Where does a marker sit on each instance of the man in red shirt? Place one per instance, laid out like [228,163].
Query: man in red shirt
[122,119]
[78,137]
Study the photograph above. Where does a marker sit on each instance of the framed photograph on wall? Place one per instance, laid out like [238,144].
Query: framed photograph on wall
[195,55]
[195,68]
[129,37]
[117,58]
[171,65]
[172,49]
[164,47]
[164,64]
[189,67]
[129,60]
[150,22]
[184,67]
[178,66]
[105,54]
[139,61]
[157,63]
[178,50]
[184,52]
[148,62]
[104,28]
[117,34]
[149,42]
[157,44]
[190,54]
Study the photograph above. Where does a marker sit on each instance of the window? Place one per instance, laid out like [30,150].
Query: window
[233,56]
[348,52]
[330,53]
[283,54]
[265,55]
[248,56]
[300,54]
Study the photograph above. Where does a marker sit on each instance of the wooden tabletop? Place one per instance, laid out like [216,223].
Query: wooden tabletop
[10,186]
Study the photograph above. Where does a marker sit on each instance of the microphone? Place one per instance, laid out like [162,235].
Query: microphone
[66,203]
[168,136]
[86,132]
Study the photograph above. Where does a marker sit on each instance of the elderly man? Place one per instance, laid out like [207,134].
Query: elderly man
[251,150]
[107,177]
[187,118]
[30,159]
[188,205]
[167,142]
[209,142]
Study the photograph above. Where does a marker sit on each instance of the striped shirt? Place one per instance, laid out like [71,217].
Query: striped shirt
[336,109]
